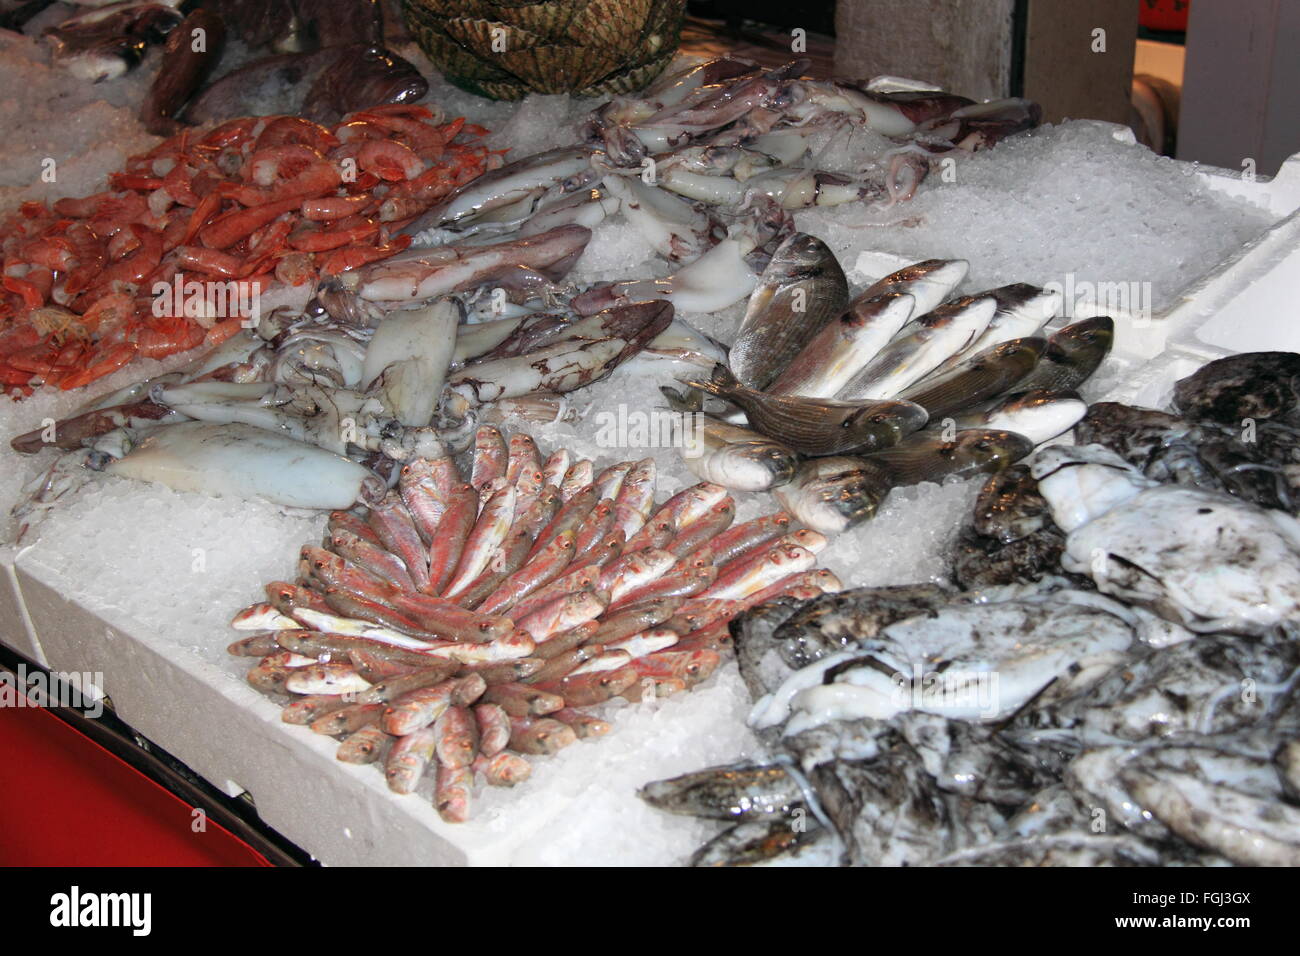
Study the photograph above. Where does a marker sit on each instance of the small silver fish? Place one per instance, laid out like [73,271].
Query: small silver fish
[1023,310]
[929,282]
[737,458]
[1039,415]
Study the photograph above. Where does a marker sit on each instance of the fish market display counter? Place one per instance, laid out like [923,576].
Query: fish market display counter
[133,585]
[87,598]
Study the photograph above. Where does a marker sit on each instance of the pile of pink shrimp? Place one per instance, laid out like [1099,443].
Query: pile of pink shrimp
[256,201]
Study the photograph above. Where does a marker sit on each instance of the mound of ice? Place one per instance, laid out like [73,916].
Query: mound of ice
[1062,200]
[63,135]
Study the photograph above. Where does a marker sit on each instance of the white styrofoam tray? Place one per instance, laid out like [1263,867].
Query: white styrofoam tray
[232,735]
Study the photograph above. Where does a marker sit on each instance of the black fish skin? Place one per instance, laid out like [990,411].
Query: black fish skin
[361,77]
[321,86]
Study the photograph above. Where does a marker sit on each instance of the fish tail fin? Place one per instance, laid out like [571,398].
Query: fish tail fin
[720,381]
[687,400]
[723,376]
[721,384]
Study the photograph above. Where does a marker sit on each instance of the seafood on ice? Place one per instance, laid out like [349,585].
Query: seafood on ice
[457,628]
[347,403]
[206,230]
[867,394]
[1122,649]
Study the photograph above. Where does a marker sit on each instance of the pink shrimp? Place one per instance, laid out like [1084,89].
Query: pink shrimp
[133,267]
[226,230]
[177,184]
[322,240]
[314,180]
[101,362]
[353,257]
[358,130]
[329,208]
[209,261]
[293,130]
[266,166]
[230,133]
[389,160]
[162,337]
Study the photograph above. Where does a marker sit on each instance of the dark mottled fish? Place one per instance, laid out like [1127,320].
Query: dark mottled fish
[1256,385]
[743,791]
[748,844]
[323,85]
[361,77]
[189,57]
[1009,506]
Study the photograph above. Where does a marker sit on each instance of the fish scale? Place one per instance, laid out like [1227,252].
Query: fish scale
[844,347]
[801,290]
[921,347]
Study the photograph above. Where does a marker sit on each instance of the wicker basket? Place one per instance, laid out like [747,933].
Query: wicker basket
[506,49]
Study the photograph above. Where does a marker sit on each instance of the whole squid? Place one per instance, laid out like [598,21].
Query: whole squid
[590,350]
[242,461]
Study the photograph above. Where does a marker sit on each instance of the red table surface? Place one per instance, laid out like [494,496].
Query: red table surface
[66,801]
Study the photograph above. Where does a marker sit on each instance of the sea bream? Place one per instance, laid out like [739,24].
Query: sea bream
[819,426]
[839,351]
[921,347]
[801,290]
